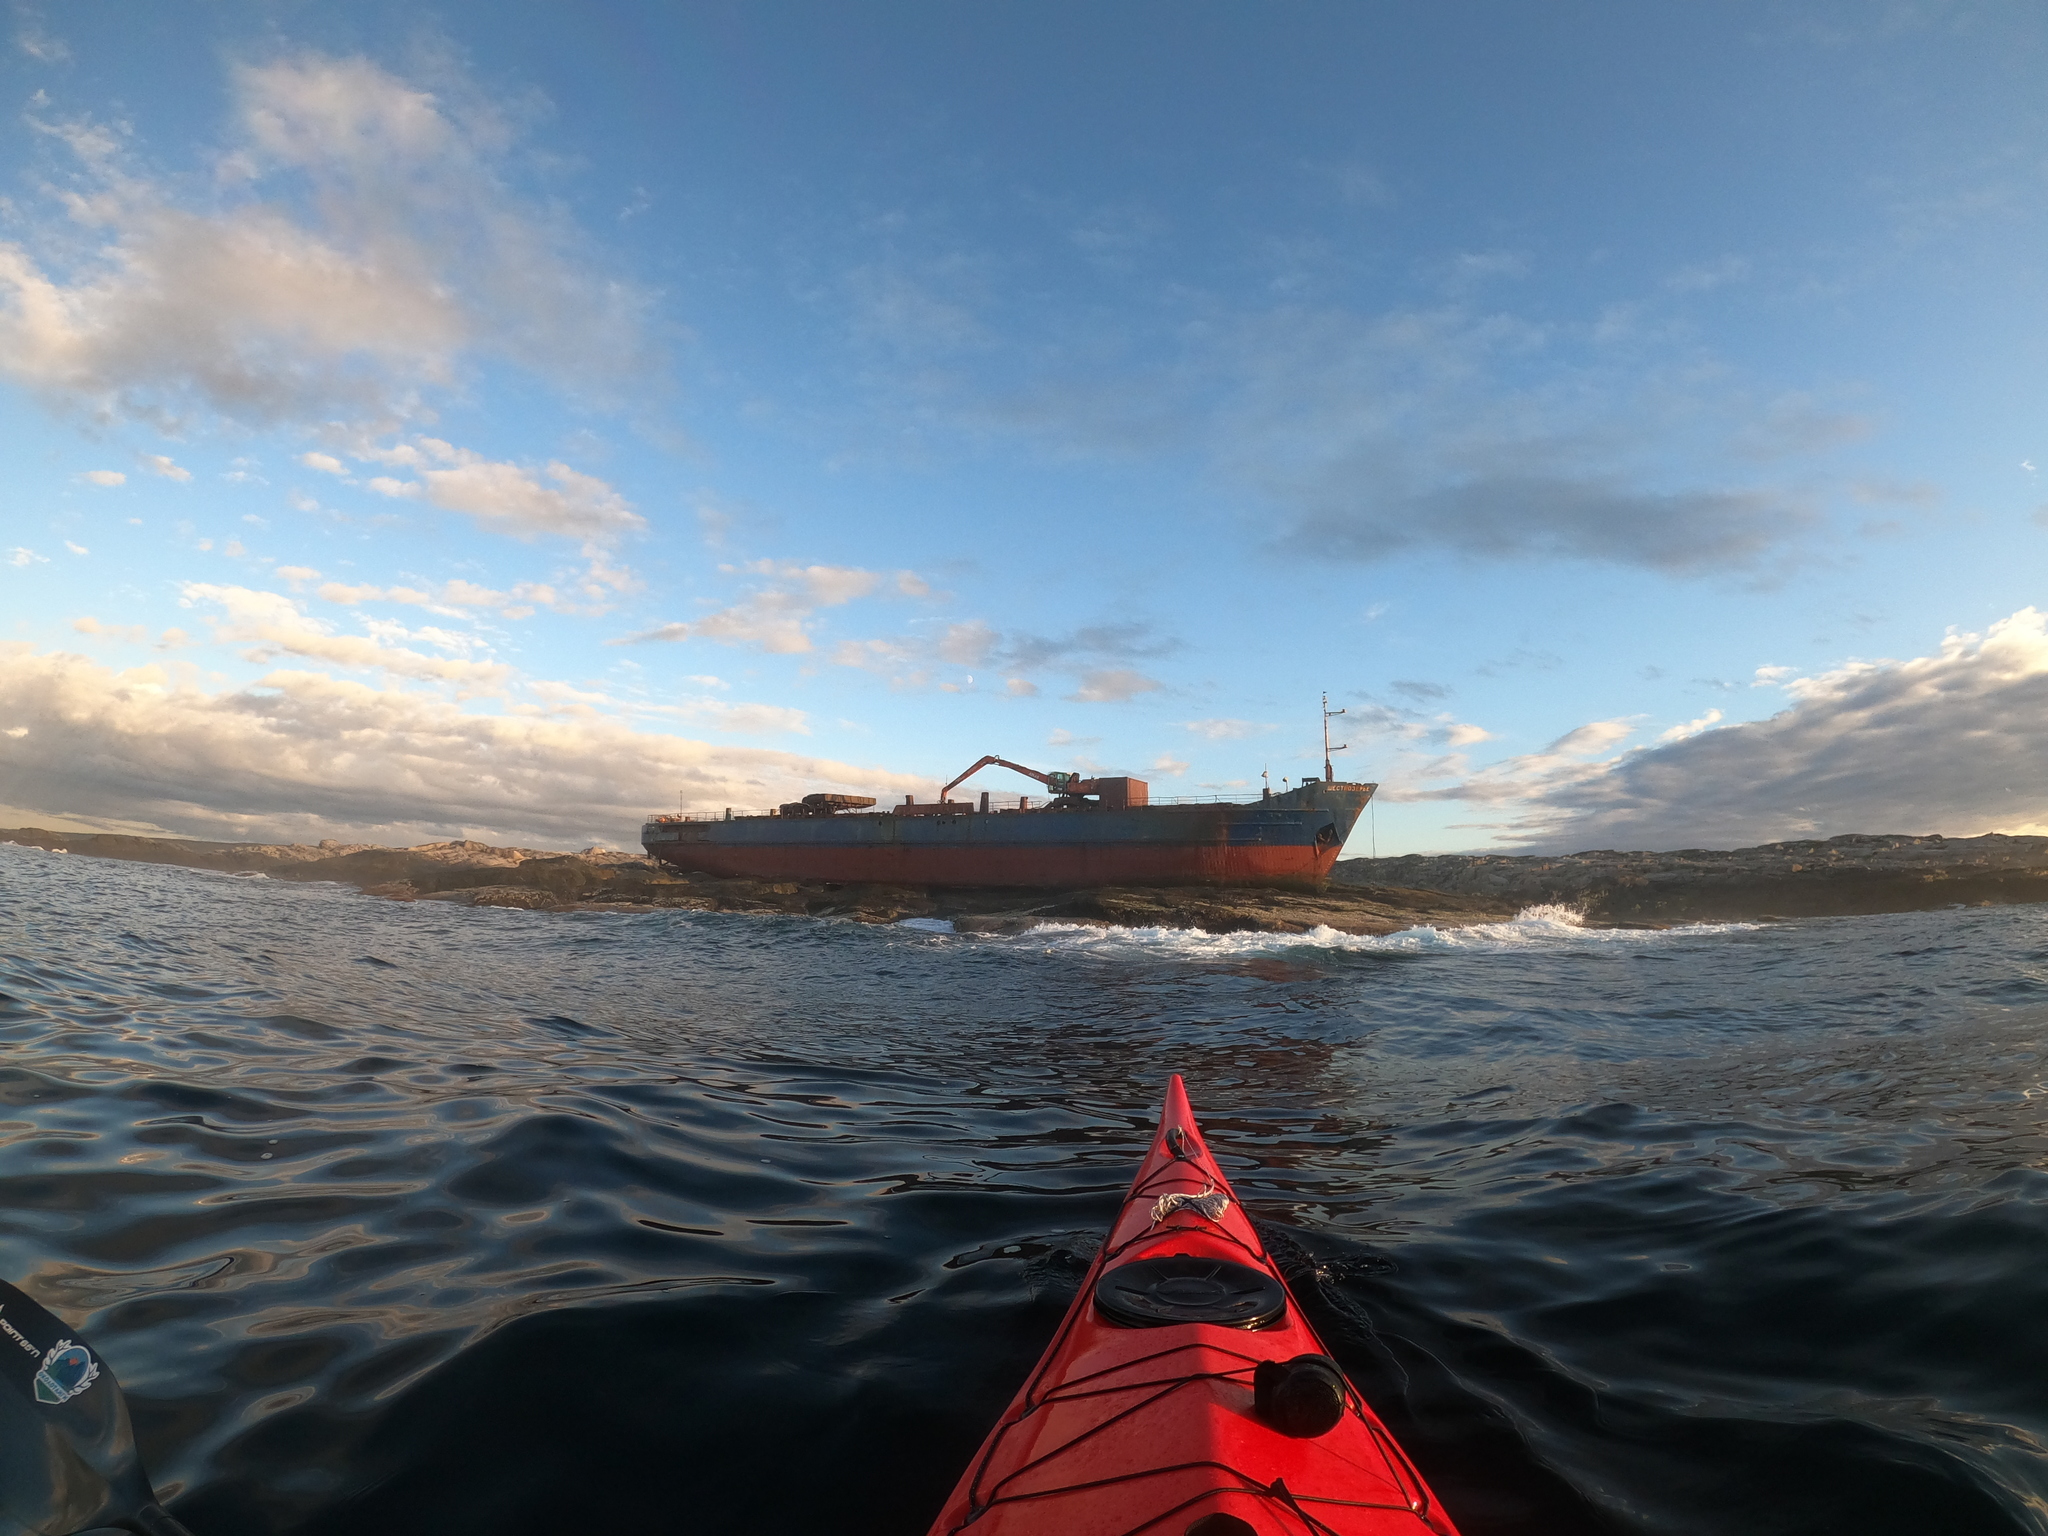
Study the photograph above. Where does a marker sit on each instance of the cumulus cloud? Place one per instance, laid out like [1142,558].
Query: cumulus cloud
[164,465]
[299,756]
[21,555]
[1948,743]
[104,477]
[326,463]
[361,244]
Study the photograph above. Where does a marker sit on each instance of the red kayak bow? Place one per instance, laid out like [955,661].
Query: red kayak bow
[1185,1394]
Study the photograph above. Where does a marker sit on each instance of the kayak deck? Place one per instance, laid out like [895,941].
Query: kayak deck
[1174,1399]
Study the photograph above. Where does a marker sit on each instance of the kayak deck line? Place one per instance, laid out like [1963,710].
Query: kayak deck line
[1184,1394]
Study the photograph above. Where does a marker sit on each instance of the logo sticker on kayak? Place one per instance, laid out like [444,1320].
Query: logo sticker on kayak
[67,1370]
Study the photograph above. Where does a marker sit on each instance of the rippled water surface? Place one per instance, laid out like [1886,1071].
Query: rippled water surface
[418,1219]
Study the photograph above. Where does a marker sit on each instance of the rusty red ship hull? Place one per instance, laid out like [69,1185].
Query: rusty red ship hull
[1290,839]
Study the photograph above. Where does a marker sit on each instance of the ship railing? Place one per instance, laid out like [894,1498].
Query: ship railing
[737,812]
[995,803]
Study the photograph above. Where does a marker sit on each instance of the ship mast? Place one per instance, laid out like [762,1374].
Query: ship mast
[1328,714]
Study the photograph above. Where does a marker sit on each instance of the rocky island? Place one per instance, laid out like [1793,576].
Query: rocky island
[602,880]
[1840,876]
[1852,875]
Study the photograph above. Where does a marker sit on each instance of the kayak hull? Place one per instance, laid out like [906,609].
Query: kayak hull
[1161,1430]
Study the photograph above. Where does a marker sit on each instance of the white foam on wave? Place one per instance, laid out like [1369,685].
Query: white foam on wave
[926,924]
[1547,926]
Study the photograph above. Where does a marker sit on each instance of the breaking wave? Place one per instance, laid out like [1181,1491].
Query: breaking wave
[1545,926]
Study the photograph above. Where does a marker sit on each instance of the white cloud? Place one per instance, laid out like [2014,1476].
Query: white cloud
[824,586]
[777,619]
[1166,763]
[104,477]
[511,499]
[76,549]
[20,556]
[966,645]
[1705,722]
[1591,740]
[913,660]
[134,634]
[1226,729]
[1520,778]
[755,719]
[300,756]
[326,463]
[1113,685]
[162,464]
[37,44]
[1767,676]
[362,245]
[519,603]
[270,624]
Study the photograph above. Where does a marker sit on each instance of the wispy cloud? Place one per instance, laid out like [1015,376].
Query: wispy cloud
[361,246]
[1227,729]
[777,616]
[268,625]
[1113,685]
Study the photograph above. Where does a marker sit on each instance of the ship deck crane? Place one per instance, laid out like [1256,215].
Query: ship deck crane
[1059,783]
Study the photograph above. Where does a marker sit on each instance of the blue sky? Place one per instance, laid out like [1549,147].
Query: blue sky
[502,421]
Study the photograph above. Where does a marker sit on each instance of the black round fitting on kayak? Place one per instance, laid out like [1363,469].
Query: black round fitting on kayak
[1150,1293]
[1221,1525]
[1302,1397]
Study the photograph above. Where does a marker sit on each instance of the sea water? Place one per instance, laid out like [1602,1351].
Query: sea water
[421,1218]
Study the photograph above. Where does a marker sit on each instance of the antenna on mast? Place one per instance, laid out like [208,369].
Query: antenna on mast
[1328,714]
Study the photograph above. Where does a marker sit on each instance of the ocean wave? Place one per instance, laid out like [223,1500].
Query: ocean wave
[1532,927]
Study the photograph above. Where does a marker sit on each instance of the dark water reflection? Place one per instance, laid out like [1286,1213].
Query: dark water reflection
[422,1219]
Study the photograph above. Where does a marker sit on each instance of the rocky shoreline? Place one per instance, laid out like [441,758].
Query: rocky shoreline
[1841,876]
[1852,875]
[600,880]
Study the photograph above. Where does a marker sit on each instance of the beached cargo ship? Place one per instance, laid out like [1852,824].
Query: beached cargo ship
[1099,831]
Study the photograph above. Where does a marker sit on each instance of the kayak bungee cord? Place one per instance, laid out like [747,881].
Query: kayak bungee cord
[1185,1395]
